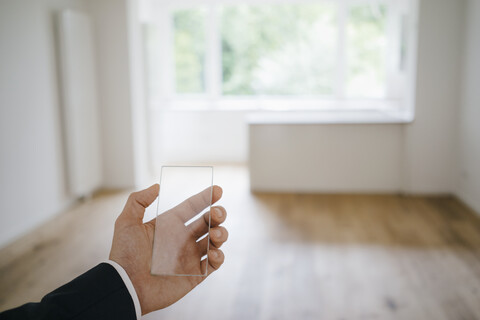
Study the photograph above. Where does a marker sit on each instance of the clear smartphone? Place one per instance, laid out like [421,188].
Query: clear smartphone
[181,240]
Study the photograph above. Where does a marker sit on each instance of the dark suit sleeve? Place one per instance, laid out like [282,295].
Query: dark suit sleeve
[100,293]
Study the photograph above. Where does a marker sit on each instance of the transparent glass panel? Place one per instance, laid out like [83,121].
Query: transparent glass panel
[189,51]
[183,206]
[281,49]
[366,51]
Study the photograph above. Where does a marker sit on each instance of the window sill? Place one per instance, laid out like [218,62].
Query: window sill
[329,117]
[275,105]
[292,111]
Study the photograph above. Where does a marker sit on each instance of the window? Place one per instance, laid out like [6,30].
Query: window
[366,53]
[189,54]
[313,54]
[284,49]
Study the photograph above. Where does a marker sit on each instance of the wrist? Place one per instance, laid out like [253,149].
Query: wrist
[129,285]
[140,284]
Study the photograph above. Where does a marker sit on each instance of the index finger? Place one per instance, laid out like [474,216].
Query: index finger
[197,203]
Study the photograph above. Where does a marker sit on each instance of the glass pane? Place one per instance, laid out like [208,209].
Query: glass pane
[181,240]
[279,49]
[190,45]
[366,51]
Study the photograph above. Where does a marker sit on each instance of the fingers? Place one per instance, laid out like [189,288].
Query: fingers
[200,226]
[215,260]
[218,236]
[216,194]
[138,201]
[195,204]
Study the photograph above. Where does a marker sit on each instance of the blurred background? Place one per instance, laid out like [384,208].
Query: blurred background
[344,133]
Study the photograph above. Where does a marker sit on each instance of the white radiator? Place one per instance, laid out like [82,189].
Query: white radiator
[79,100]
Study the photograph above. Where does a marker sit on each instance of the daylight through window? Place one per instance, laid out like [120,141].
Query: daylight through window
[337,50]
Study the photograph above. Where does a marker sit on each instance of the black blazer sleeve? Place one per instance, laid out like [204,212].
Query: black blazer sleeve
[100,293]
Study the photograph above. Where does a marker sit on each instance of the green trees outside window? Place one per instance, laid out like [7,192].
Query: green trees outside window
[283,49]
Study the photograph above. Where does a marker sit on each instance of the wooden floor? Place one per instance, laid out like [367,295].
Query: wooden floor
[288,257]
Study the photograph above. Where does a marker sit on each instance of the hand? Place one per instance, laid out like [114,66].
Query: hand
[132,247]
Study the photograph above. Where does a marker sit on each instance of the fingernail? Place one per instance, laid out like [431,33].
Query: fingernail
[218,212]
[217,233]
[214,254]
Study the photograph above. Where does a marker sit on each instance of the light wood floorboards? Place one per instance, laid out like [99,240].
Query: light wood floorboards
[289,256]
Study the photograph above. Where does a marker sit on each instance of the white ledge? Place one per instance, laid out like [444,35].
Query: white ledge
[328,117]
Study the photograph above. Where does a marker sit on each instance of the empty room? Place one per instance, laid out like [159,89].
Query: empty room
[240,159]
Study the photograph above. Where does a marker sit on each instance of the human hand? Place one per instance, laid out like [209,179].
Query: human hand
[132,248]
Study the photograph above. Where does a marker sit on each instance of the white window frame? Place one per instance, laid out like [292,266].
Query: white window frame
[400,84]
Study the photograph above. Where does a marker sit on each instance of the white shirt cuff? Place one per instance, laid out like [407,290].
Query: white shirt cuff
[128,283]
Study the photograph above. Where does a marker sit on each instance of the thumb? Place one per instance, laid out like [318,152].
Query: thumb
[138,201]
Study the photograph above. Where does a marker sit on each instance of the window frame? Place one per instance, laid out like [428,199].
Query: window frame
[400,84]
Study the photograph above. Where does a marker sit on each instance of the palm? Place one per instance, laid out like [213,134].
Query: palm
[188,254]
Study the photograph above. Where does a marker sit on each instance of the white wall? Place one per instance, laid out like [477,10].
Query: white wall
[142,173]
[413,158]
[32,180]
[468,184]
[113,64]
[326,158]
[430,139]
[197,137]
[32,176]
[120,80]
